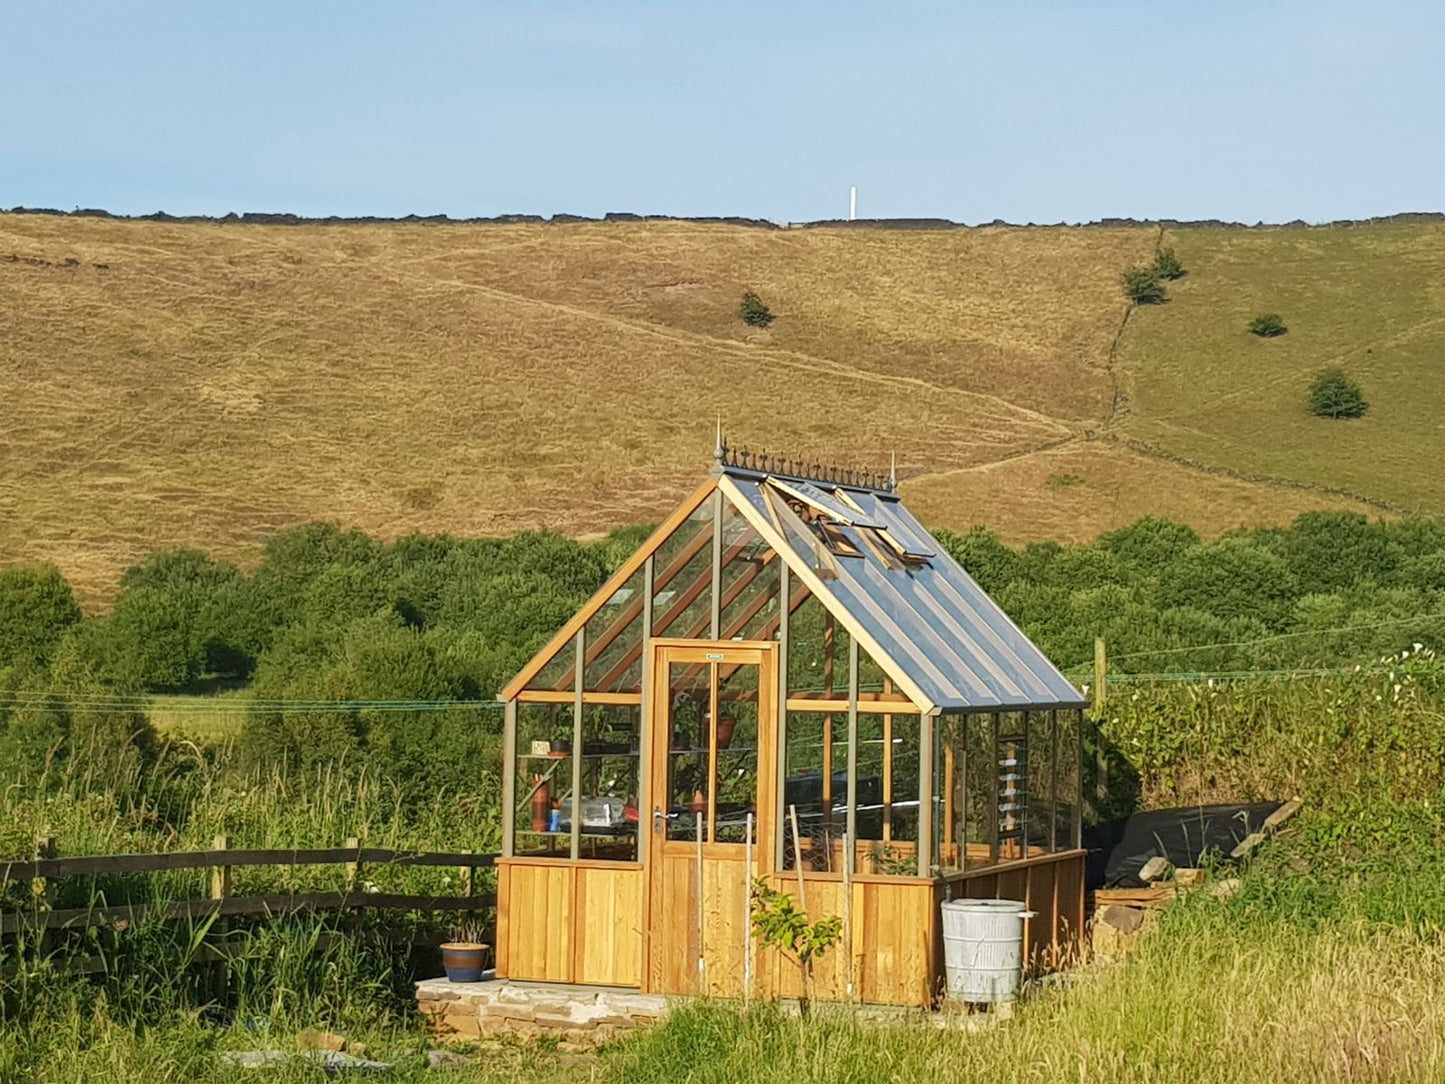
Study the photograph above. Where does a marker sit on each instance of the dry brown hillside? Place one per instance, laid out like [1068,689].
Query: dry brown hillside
[209,383]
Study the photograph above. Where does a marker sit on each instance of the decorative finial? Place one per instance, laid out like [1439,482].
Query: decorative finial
[719,447]
[892,470]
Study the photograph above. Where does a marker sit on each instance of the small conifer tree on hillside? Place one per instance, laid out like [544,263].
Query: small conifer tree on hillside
[1267,325]
[753,311]
[1167,265]
[1335,395]
[1142,286]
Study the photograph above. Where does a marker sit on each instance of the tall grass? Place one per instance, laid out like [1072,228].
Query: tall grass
[1218,993]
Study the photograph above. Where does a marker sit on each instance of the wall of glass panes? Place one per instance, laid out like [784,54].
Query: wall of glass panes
[1006,787]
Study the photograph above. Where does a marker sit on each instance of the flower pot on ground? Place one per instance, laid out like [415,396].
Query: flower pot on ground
[464,960]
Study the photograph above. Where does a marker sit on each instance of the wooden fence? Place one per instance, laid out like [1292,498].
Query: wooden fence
[44,869]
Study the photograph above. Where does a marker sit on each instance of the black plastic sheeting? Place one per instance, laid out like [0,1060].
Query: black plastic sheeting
[1118,849]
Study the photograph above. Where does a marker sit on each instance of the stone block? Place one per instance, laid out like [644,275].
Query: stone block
[509,1012]
[1124,919]
[464,1027]
[556,1020]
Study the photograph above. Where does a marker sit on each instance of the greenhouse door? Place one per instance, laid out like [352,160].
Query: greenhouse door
[714,727]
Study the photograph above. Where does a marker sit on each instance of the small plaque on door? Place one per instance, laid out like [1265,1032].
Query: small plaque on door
[714,656]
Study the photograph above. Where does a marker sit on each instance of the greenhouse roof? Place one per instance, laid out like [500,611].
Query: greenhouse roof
[926,620]
[848,538]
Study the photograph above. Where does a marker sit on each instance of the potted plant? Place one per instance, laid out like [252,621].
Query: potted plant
[466,954]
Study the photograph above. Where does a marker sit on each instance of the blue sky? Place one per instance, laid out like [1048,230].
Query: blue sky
[1027,112]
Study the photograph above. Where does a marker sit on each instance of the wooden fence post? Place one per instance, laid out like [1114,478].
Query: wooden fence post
[466,874]
[220,889]
[43,891]
[353,868]
[1101,674]
[1101,758]
[220,875]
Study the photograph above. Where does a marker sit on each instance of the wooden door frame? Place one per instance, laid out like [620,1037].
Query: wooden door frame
[665,652]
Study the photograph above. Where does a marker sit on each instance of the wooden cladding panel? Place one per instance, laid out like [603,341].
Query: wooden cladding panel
[608,926]
[534,915]
[1054,889]
[892,945]
[565,923]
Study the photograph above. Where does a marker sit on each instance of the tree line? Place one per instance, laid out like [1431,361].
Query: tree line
[335,615]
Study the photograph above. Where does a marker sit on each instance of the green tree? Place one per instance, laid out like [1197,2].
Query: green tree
[1143,286]
[37,606]
[1232,577]
[1167,265]
[1267,325]
[753,312]
[1150,543]
[1335,395]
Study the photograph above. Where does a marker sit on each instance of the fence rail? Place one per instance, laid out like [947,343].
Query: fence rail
[46,867]
[100,865]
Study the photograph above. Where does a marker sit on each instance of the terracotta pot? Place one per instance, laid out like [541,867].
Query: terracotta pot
[464,960]
[699,802]
[725,728]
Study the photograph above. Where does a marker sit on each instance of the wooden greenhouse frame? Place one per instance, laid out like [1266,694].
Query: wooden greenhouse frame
[789,647]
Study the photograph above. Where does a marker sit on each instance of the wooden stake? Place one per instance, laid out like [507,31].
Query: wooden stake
[748,913]
[701,961]
[1101,674]
[798,861]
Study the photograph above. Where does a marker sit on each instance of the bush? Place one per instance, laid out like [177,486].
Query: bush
[754,312]
[1267,325]
[1167,265]
[1142,286]
[1335,395]
[36,607]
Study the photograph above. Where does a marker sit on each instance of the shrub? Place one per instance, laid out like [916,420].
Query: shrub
[1142,286]
[753,311]
[1167,265]
[1267,325]
[1335,395]
[36,607]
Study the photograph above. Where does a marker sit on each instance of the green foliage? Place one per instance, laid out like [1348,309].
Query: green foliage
[1267,325]
[1143,286]
[1167,265]
[37,606]
[1335,395]
[784,925]
[753,312]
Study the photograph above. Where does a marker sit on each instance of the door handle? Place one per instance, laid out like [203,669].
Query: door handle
[658,820]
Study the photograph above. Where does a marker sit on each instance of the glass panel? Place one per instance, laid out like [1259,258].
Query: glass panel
[543,812]
[613,640]
[872,680]
[610,758]
[736,738]
[977,833]
[557,673]
[1013,758]
[815,781]
[1040,728]
[817,652]
[751,578]
[888,794]
[1067,792]
[682,577]
[689,688]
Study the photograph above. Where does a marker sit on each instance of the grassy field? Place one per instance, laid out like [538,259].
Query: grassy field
[1370,299]
[210,383]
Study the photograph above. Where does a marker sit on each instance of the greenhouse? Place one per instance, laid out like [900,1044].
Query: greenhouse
[789,680]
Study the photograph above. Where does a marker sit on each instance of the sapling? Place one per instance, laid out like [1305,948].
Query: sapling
[781,923]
